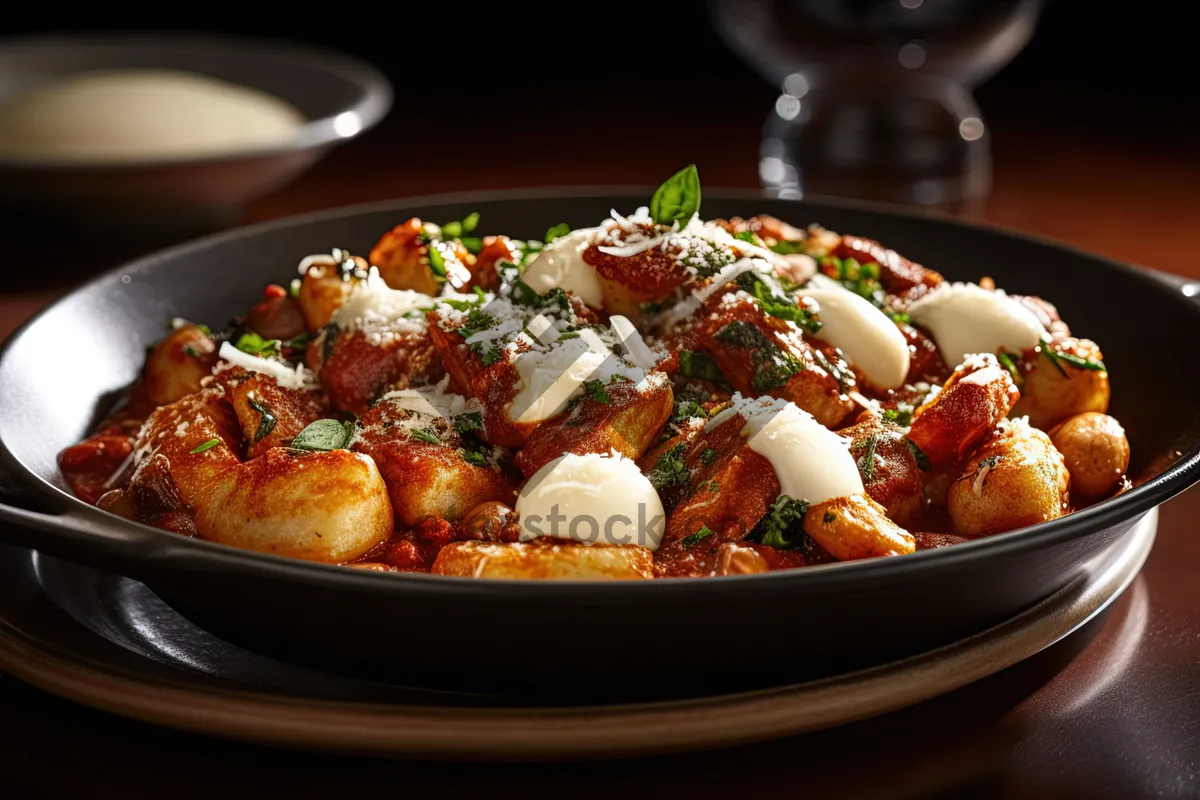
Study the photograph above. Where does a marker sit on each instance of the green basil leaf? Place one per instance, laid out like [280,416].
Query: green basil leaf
[324,435]
[678,199]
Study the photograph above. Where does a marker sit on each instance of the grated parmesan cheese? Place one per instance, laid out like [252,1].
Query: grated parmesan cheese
[298,377]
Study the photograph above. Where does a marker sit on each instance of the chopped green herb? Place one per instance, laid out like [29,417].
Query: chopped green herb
[772,365]
[1009,363]
[323,435]
[255,345]
[473,244]
[901,415]
[708,456]
[866,464]
[1082,363]
[686,408]
[919,455]
[466,423]
[328,336]
[900,317]
[266,421]
[749,236]
[437,260]
[828,518]
[777,305]
[862,279]
[425,435]
[209,445]
[699,365]
[299,342]
[692,538]
[678,199]
[595,390]
[669,470]
[788,248]
[568,335]
[476,322]
[471,221]
[561,229]
[477,457]
[650,308]
[784,515]
[294,288]
[190,350]
[714,486]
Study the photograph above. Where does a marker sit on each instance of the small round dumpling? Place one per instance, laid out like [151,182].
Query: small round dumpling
[1016,478]
[1095,450]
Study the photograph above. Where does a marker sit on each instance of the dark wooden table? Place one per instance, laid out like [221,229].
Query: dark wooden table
[1113,710]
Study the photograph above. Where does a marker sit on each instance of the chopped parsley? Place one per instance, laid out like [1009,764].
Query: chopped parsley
[323,435]
[253,344]
[266,421]
[784,516]
[595,390]
[190,350]
[692,538]
[561,229]
[200,448]
[473,244]
[294,288]
[478,458]
[437,259]
[476,322]
[300,341]
[708,456]
[466,423]
[669,470]
[919,455]
[866,464]
[901,415]
[777,305]
[749,236]
[686,408]
[862,279]
[425,435]
[899,317]
[772,365]
[699,365]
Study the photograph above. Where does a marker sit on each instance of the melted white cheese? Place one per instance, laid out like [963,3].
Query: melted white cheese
[551,378]
[372,303]
[867,337]
[595,499]
[964,318]
[298,377]
[812,462]
[434,401]
[561,265]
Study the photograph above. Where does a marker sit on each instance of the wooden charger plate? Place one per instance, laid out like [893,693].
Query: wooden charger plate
[179,699]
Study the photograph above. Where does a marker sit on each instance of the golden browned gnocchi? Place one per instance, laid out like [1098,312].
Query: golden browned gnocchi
[1016,478]
[655,396]
[1095,450]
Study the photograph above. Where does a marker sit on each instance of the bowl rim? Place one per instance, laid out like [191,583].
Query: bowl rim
[369,110]
[159,544]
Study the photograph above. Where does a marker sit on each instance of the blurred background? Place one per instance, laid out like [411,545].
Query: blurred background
[1068,119]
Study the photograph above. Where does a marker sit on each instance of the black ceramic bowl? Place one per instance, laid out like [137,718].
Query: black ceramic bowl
[339,95]
[619,638]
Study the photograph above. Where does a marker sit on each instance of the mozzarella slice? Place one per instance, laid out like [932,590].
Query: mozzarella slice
[964,318]
[870,340]
[594,499]
[812,462]
[561,265]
